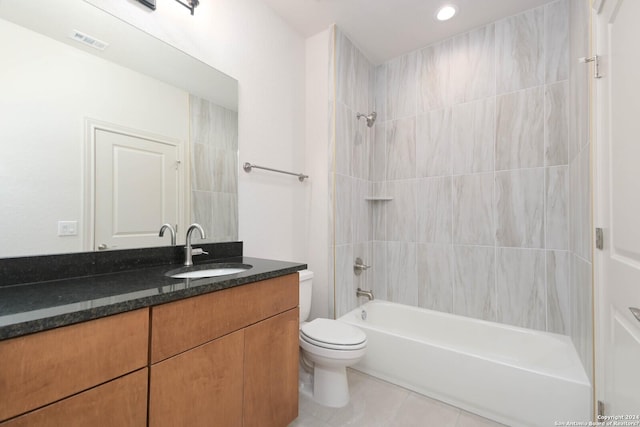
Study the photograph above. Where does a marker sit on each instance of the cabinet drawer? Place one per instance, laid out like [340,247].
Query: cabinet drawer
[181,325]
[44,367]
[121,402]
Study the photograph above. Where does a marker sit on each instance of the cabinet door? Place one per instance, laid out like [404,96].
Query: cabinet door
[200,387]
[271,371]
[121,402]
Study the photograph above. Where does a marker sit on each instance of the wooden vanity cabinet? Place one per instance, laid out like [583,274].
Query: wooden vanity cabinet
[42,368]
[228,358]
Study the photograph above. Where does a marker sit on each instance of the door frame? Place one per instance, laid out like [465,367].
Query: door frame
[604,12]
[89,175]
[601,217]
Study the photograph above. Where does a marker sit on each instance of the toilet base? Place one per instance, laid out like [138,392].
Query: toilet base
[330,386]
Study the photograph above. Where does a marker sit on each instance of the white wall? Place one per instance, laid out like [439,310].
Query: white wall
[248,41]
[41,167]
[317,154]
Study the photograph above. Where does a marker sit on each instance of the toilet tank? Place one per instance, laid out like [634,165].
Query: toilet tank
[306,278]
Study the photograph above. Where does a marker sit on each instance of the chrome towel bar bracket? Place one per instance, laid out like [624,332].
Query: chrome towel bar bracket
[248,166]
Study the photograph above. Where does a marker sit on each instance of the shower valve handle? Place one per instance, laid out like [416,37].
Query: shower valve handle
[359,266]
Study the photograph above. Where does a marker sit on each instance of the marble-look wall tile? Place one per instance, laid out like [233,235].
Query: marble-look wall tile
[473,218]
[401,87]
[433,143]
[473,65]
[581,314]
[213,125]
[364,69]
[474,291]
[217,213]
[364,280]
[473,136]
[224,225]
[435,277]
[379,152]
[519,51]
[559,300]
[361,149]
[379,212]
[556,41]
[345,290]
[556,125]
[402,273]
[557,207]
[344,218]
[520,129]
[379,270]
[435,78]
[345,139]
[361,211]
[224,167]
[224,125]
[434,210]
[401,211]
[201,173]
[380,95]
[202,212]
[520,208]
[332,131]
[520,282]
[401,149]
[345,69]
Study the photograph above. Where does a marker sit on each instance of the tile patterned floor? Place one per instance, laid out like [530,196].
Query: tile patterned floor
[376,403]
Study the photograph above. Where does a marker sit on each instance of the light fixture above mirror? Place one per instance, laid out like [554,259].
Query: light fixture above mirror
[189,4]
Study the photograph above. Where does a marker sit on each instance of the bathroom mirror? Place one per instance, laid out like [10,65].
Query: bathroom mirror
[70,68]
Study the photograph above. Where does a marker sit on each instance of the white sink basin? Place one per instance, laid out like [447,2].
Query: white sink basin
[209,272]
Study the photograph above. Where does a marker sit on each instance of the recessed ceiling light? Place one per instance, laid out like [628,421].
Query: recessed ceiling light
[446,12]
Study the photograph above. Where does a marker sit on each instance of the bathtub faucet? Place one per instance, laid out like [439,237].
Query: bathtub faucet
[363,293]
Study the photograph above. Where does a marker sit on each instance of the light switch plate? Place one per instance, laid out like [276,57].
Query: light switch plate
[67,228]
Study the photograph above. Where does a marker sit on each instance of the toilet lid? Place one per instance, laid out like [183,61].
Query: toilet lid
[329,331]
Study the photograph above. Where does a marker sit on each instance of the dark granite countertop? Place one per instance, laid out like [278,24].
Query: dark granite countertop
[32,307]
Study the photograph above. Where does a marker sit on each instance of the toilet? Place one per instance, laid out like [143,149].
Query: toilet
[327,347]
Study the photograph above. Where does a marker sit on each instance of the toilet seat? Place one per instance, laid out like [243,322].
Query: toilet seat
[332,334]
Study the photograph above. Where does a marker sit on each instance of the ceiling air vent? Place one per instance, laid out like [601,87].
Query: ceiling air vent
[88,40]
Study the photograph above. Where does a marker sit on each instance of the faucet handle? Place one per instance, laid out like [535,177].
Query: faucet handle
[359,266]
[198,251]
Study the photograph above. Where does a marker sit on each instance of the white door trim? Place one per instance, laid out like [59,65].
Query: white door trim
[89,175]
[607,315]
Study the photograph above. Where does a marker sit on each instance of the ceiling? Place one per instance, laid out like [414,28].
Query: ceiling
[385,29]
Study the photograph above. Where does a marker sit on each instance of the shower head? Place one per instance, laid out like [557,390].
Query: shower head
[371,118]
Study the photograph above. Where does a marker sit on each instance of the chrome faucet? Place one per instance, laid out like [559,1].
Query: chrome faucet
[171,230]
[188,251]
[363,293]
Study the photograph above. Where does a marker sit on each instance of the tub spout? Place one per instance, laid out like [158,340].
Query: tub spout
[363,293]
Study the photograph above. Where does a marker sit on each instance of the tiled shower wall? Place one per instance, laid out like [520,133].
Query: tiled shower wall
[473,144]
[214,169]
[351,93]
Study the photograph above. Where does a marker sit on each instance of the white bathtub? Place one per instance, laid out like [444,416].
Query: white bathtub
[515,376]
